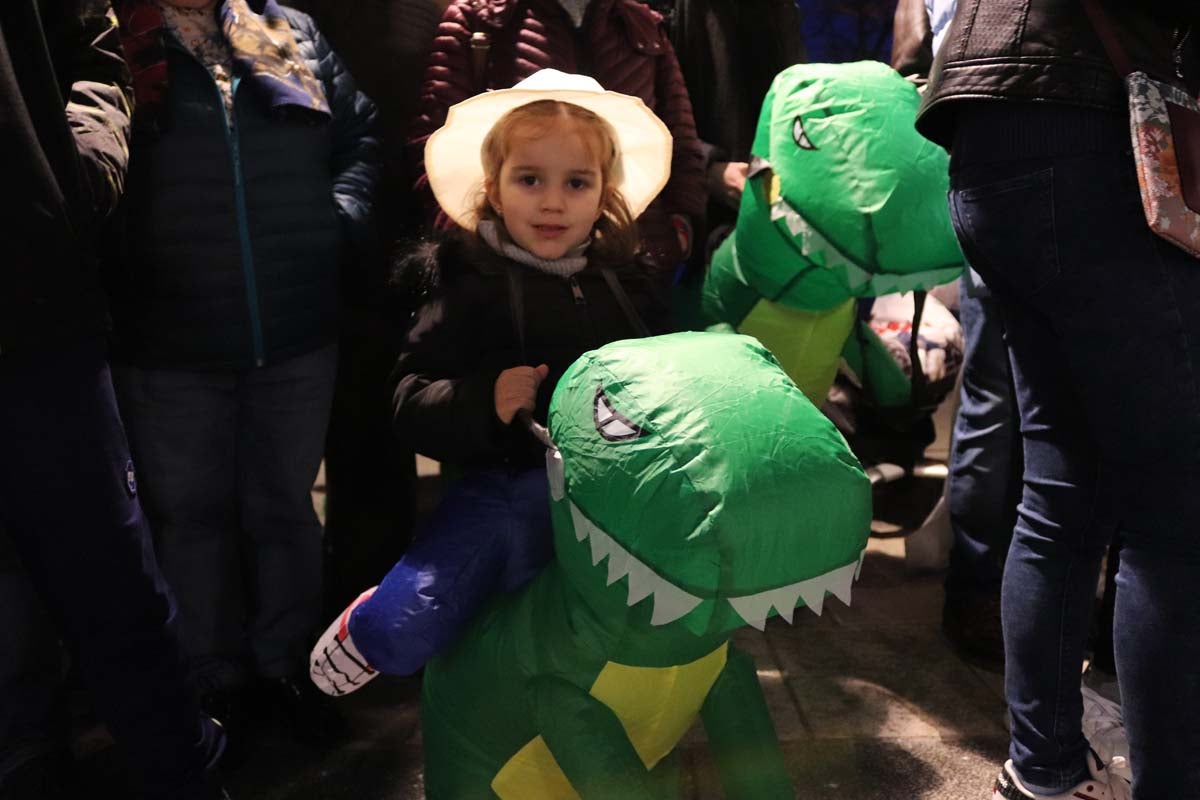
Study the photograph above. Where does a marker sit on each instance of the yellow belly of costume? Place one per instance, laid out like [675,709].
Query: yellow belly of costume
[808,344]
[656,707]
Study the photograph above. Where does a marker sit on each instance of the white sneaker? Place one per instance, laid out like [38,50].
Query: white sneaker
[1104,729]
[1101,786]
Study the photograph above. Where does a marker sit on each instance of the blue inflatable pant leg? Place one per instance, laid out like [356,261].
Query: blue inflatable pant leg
[491,533]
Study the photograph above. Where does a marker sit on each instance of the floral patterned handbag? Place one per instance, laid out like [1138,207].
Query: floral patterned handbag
[1164,122]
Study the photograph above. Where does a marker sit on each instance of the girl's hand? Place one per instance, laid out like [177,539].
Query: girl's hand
[517,388]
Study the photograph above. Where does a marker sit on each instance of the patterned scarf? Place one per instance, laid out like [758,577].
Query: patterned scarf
[264,51]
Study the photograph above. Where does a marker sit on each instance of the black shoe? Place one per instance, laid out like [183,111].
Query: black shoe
[231,708]
[972,624]
[228,705]
[301,708]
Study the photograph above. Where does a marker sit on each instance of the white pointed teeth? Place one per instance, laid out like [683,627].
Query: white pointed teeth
[813,594]
[582,526]
[755,608]
[781,209]
[670,602]
[841,580]
[813,242]
[642,582]
[554,473]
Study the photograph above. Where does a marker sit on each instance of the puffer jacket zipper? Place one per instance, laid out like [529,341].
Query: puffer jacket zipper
[233,147]
[239,194]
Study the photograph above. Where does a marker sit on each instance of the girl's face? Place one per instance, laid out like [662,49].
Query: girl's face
[548,192]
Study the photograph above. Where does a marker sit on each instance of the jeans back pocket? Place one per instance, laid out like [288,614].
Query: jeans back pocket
[1007,231]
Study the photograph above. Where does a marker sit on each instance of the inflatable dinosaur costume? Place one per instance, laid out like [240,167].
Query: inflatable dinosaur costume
[845,200]
[695,490]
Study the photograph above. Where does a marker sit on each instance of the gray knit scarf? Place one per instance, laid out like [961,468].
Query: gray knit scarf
[497,239]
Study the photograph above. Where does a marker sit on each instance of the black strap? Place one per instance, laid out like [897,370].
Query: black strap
[917,378]
[516,306]
[631,314]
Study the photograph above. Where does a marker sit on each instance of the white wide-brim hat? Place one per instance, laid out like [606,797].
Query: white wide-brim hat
[454,163]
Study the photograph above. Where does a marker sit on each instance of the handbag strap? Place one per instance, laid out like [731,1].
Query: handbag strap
[1108,37]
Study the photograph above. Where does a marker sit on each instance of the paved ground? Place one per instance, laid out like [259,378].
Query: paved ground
[869,701]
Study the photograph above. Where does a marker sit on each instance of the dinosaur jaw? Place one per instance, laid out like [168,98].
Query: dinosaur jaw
[813,244]
[672,603]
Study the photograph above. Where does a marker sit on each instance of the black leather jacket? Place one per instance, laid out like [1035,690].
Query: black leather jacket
[1046,50]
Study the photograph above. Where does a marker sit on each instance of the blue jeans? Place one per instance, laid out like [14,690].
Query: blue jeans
[227,462]
[985,456]
[68,503]
[1102,320]
[490,534]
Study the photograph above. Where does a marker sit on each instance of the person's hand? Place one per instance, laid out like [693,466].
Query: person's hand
[517,388]
[727,181]
[336,666]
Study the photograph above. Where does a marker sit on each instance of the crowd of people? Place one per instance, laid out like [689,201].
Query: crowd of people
[226,261]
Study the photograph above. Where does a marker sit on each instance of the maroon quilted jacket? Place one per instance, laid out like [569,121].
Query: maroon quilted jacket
[622,44]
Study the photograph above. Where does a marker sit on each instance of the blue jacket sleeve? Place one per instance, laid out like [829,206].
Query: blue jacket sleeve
[357,167]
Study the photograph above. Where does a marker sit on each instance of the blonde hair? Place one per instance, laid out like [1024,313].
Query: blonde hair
[615,232]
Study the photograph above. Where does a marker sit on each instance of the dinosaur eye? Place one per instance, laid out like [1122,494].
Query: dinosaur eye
[610,423]
[801,137]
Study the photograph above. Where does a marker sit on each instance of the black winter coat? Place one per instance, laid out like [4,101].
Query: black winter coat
[64,126]
[233,235]
[464,336]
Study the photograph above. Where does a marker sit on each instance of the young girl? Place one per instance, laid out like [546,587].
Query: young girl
[543,271]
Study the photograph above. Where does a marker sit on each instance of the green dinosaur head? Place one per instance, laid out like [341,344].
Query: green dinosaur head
[695,488]
[845,198]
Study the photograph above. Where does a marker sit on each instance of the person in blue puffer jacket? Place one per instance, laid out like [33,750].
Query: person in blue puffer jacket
[252,173]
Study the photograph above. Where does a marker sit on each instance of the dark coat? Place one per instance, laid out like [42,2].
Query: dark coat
[464,336]
[233,236]
[1047,51]
[65,96]
[622,44]
[730,52]
[912,40]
